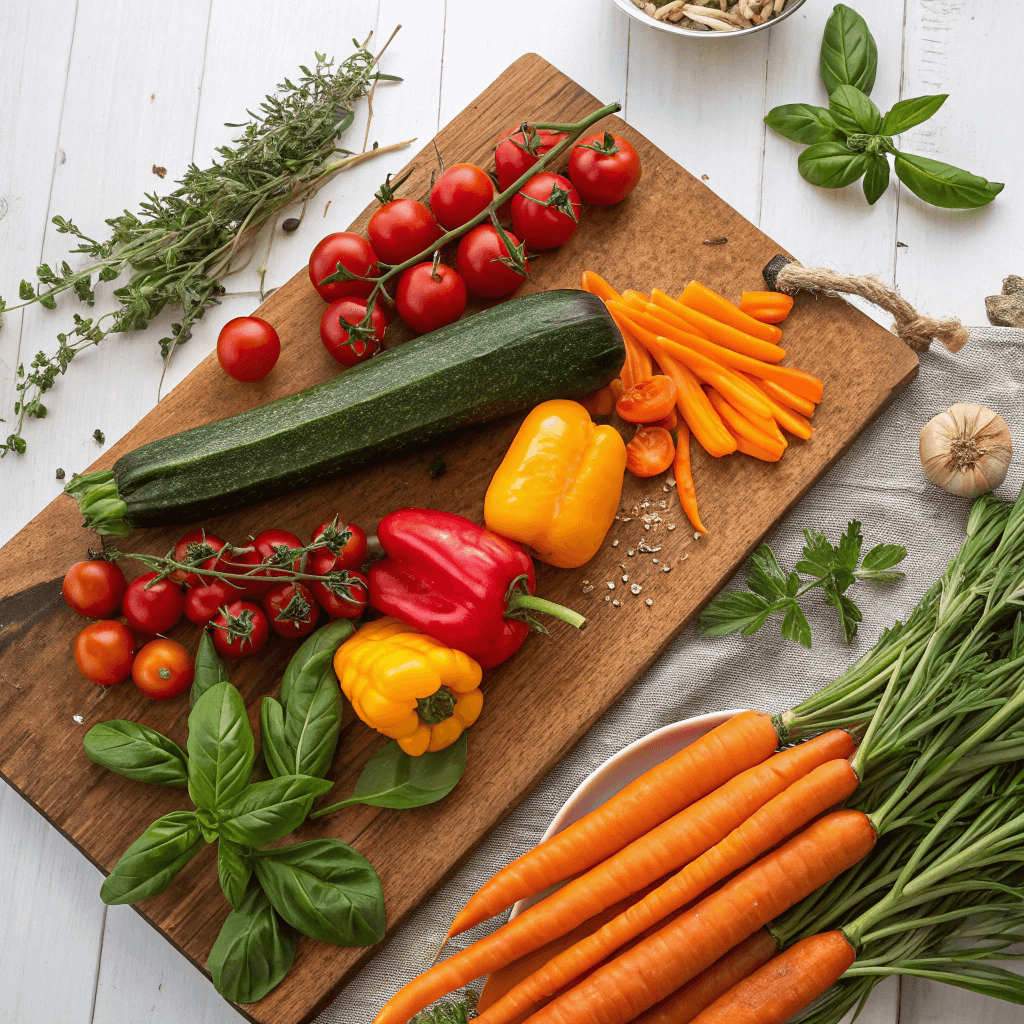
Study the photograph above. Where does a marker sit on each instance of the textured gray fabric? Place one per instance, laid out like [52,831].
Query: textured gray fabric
[879,481]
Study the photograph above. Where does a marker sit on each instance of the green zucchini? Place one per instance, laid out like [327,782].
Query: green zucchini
[558,344]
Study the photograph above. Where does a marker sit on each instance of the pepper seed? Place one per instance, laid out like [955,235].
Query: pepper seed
[631,552]
[648,602]
[616,604]
[615,543]
[635,588]
[625,579]
[671,526]
[666,568]
[611,586]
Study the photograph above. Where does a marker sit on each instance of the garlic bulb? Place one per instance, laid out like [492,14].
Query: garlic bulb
[966,449]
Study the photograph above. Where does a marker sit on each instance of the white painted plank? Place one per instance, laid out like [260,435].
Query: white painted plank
[928,1002]
[882,1008]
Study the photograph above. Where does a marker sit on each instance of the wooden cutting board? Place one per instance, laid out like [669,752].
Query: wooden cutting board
[540,702]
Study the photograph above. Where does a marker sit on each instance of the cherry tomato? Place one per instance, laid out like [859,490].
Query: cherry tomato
[429,297]
[546,211]
[291,610]
[273,547]
[518,150]
[346,548]
[94,588]
[163,669]
[478,262]
[401,229]
[152,610]
[241,562]
[248,348]
[104,652]
[459,194]
[605,168]
[203,602]
[648,401]
[336,337]
[354,253]
[650,452]
[240,630]
[345,597]
[198,547]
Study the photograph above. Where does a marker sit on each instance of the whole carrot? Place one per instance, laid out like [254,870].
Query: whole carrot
[684,478]
[622,989]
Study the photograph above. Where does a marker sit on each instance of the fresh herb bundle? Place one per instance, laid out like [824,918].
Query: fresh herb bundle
[180,247]
[851,139]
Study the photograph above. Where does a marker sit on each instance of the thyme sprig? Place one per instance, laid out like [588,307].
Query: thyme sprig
[179,248]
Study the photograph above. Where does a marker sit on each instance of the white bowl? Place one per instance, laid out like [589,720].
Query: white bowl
[637,15]
[621,769]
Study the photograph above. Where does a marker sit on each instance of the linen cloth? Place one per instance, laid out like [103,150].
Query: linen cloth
[880,482]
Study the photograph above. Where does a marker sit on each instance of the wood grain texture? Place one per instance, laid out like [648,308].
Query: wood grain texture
[656,237]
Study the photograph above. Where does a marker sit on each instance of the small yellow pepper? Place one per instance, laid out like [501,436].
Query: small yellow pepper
[559,485]
[409,687]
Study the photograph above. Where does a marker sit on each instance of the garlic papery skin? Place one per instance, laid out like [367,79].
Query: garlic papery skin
[966,450]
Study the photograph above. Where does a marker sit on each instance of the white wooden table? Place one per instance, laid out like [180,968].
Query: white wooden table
[94,93]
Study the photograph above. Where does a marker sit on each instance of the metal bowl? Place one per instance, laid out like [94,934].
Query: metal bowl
[637,15]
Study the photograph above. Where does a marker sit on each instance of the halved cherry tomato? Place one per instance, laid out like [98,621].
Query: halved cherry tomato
[94,588]
[459,194]
[240,630]
[768,307]
[345,597]
[648,401]
[152,607]
[401,229]
[354,253]
[517,150]
[104,652]
[650,452]
[546,211]
[198,547]
[273,546]
[430,296]
[248,348]
[203,602]
[605,168]
[345,548]
[346,345]
[291,609]
[479,263]
[163,669]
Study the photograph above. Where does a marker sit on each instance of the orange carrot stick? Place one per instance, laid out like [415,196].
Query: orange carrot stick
[703,300]
[753,450]
[632,371]
[638,358]
[784,985]
[768,307]
[788,419]
[653,969]
[631,294]
[743,427]
[719,333]
[801,405]
[824,787]
[685,1003]
[684,478]
[597,285]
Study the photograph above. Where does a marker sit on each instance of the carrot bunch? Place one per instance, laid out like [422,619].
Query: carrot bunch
[719,381]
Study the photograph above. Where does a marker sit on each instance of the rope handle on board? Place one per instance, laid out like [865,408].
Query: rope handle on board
[783,274]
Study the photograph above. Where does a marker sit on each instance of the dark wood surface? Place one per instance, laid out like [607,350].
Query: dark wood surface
[540,702]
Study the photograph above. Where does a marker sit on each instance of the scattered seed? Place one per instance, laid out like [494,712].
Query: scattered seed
[616,604]
[160,172]
[685,557]
[78,718]
[615,543]
[631,552]
[635,588]
[671,526]
[628,519]
[648,602]
[588,587]
[721,240]
[654,560]
[98,436]
[611,586]
[696,535]
[664,487]
[625,579]
[290,224]
[666,568]
[607,597]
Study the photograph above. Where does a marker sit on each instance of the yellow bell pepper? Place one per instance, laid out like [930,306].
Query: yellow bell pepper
[408,686]
[558,487]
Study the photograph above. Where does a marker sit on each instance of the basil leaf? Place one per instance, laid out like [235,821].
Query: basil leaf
[210,669]
[276,754]
[137,752]
[151,862]
[254,950]
[234,868]
[221,748]
[804,123]
[831,165]
[876,179]
[849,55]
[943,184]
[325,641]
[326,890]
[268,811]
[908,113]
[853,112]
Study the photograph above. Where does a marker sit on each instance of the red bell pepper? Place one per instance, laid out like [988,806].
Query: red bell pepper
[458,583]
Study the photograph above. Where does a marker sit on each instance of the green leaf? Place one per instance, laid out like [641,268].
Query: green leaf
[852,111]
[795,625]
[234,868]
[876,179]
[210,669]
[151,862]
[254,950]
[943,184]
[268,811]
[819,555]
[138,752]
[849,55]
[734,612]
[848,551]
[221,748]
[279,759]
[326,890]
[831,164]
[448,1012]
[879,561]
[765,576]
[804,123]
[907,114]
[849,614]
[323,643]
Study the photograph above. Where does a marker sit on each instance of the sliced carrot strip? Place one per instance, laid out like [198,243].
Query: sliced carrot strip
[638,358]
[697,412]
[801,405]
[719,333]
[631,371]
[631,294]
[597,285]
[753,450]
[702,299]
[738,423]
[684,479]
[768,307]
[787,418]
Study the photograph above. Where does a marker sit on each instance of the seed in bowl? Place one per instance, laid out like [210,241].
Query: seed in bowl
[713,15]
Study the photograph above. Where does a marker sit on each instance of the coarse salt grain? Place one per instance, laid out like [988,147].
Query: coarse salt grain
[616,604]
[615,543]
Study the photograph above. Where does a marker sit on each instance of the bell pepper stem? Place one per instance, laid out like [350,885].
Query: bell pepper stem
[532,603]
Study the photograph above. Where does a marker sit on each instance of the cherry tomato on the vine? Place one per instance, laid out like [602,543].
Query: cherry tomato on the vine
[345,597]
[163,669]
[248,348]
[273,546]
[430,296]
[242,562]
[345,344]
[478,261]
[354,253]
[154,609]
[291,609]
[546,211]
[605,168]
[240,630]
[459,194]
[104,652]
[401,229]
[518,150]
[346,548]
[94,588]
[198,547]
[203,602]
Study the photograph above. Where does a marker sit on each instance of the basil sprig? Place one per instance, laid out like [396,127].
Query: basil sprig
[138,752]
[852,139]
